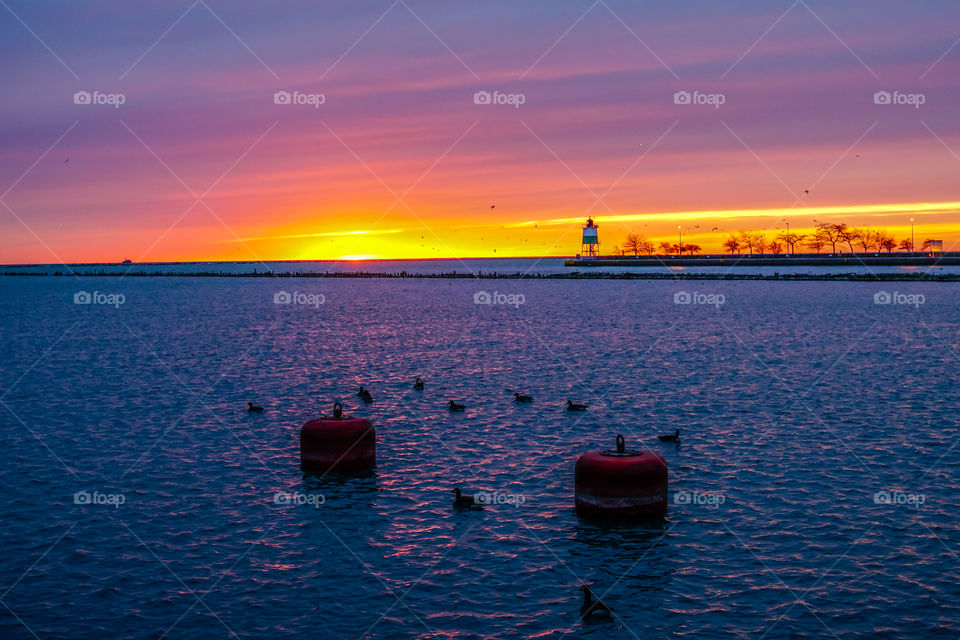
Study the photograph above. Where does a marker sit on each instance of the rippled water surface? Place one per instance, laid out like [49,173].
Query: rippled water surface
[802,407]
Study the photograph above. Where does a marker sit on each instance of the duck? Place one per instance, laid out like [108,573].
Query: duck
[522,398]
[573,406]
[462,500]
[254,408]
[591,608]
[453,406]
[364,395]
[674,437]
[418,384]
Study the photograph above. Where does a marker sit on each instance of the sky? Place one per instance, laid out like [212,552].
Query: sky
[242,130]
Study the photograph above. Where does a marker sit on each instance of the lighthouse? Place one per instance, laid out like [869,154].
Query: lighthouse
[590,246]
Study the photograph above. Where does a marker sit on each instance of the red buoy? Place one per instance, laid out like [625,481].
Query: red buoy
[338,443]
[621,482]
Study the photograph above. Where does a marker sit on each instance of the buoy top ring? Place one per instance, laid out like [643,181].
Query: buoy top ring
[621,450]
[337,411]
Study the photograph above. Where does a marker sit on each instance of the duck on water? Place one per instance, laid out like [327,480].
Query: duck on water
[593,609]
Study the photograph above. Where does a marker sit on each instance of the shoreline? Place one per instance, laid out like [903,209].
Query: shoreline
[599,275]
[917,259]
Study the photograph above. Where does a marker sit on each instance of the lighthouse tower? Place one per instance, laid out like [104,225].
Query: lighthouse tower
[590,247]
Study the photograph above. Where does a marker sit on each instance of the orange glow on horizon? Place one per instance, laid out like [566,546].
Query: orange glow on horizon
[304,234]
[436,237]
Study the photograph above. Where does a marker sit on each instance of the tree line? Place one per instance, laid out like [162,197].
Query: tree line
[637,244]
[825,235]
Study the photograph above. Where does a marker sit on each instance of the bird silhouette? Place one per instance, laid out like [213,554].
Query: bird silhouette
[673,437]
[593,608]
[464,500]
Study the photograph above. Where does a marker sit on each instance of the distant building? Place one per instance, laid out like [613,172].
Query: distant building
[935,246]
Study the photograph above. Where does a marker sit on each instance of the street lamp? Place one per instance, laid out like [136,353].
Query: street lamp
[913,241]
[680,242]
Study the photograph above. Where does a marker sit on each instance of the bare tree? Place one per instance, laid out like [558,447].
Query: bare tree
[776,248]
[844,234]
[732,244]
[748,241]
[817,242]
[830,234]
[632,244]
[791,240]
[885,241]
[692,248]
[760,242]
[906,245]
[665,247]
[866,238]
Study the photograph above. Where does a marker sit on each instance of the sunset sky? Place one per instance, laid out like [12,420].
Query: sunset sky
[200,162]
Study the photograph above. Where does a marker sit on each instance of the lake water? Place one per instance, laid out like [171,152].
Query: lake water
[814,492]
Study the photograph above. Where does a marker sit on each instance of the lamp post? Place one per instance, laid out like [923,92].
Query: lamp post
[680,242]
[913,241]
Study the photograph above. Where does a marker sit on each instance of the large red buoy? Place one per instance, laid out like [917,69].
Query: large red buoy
[338,443]
[621,482]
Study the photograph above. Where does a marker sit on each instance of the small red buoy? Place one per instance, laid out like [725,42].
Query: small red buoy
[621,482]
[338,443]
